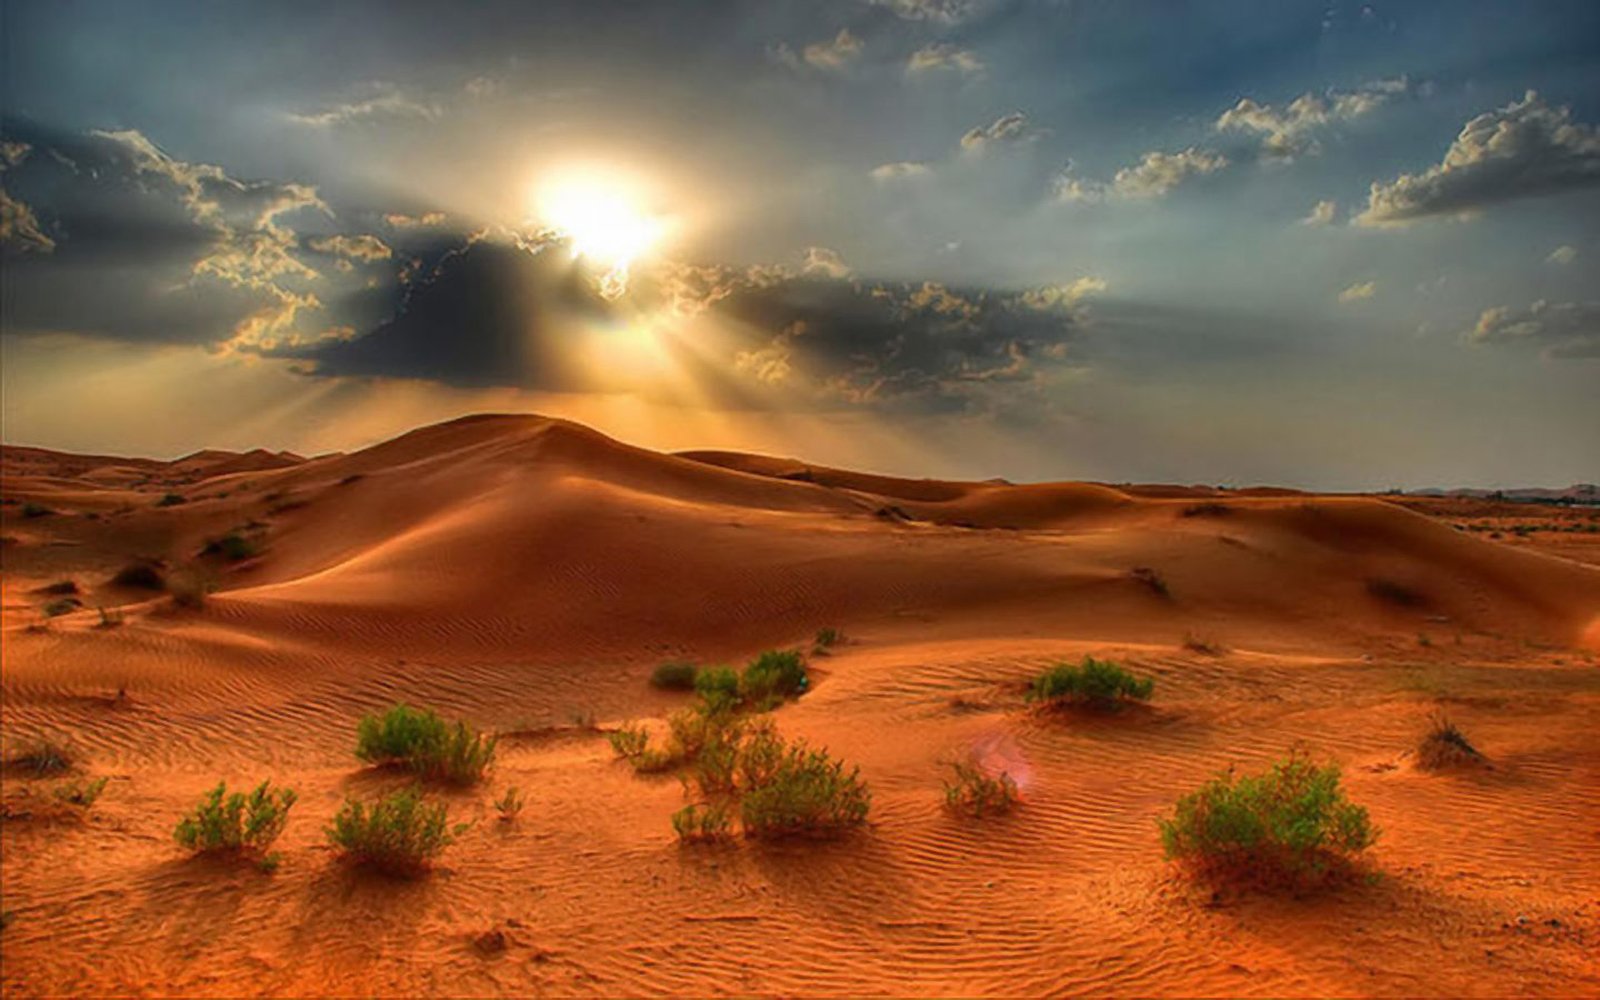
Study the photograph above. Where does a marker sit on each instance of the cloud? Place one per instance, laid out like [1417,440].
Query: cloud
[888,172]
[19,227]
[1007,130]
[385,103]
[1154,176]
[832,55]
[397,220]
[1321,214]
[1558,329]
[361,247]
[1058,296]
[821,260]
[938,11]
[1359,291]
[1287,132]
[1562,255]
[1523,150]
[943,56]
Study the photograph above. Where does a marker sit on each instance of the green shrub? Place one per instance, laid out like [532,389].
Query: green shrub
[62,606]
[42,757]
[171,500]
[702,823]
[628,742]
[718,687]
[802,791]
[1097,684]
[399,834]
[1445,746]
[975,793]
[676,676]
[1290,824]
[233,547]
[239,822]
[509,805]
[81,794]
[772,677]
[419,739]
[826,638]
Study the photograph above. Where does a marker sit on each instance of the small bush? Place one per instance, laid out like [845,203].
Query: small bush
[975,793]
[629,741]
[420,740]
[61,588]
[171,500]
[36,510]
[676,676]
[718,688]
[233,547]
[772,677]
[109,617]
[399,834]
[509,805]
[42,757]
[826,638]
[81,794]
[1397,594]
[803,791]
[62,606]
[190,588]
[239,822]
[1445,746]
[1291,824]
[702,823]
[1207,509]
[1151,579]
[145,574]
[1095,684]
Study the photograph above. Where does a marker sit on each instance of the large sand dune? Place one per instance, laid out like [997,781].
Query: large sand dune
[524,573]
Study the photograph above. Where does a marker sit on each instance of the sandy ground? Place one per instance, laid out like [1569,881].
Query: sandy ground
[528,574]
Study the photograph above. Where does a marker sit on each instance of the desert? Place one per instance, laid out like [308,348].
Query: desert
[529,574]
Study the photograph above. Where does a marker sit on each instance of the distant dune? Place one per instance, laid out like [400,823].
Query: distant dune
[525,572]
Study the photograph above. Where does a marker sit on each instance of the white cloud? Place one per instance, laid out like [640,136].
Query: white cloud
[836,53]
[1562,255]
[360,247]
[1006,130]
[1321,214]
[940,56]
[821,260]
[387,102]
[1154,176]
[1560,329]
[1063,296]
[20,227]
[1359,291]
[397,220]
[939,11]
[904,170]
[1525,149]
[1287,131]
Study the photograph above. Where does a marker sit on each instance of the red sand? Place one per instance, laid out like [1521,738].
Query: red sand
[523,572]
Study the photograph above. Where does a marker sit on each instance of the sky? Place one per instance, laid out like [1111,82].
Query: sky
[1328,245]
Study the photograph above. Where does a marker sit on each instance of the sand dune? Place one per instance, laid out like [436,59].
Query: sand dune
[521,572]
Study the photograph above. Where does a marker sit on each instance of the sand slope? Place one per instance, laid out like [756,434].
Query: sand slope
[526,572]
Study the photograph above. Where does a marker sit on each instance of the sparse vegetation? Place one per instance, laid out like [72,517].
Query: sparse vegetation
[826,638]
[718,688]
[1151,579]
[1204,645]
[674,676]
[80,794]
[509,805]
[399,834]
[1394,593]
[1445,746]
[702,823]
[239,823]
[233,547]
[42,758]
[171,500]
[420,740]
[62,606]
[796,790]
[629,742]
[144,574]
[190,588]
[973,792]
[1207,509]
[1100,685]
[109,617]
[36,510]
[1289,825]
[772,677]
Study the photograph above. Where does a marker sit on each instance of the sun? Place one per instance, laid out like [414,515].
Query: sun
[603,215]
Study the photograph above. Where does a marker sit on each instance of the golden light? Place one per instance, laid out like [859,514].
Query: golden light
[605,217]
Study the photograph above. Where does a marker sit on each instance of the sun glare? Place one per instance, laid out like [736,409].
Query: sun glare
[604,217]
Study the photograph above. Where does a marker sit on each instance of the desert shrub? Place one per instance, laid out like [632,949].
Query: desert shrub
[80,794]
[509,805]
[1204,645]
[1291,824]
[1096,684]
[41,757]
[702,823]
[718,688]
[61,588]
[190,588]
[233,547]
[171,500]
[109,617]
[62,606]
[1207,509]
[399,834]
[419,739]
[773,676]
[629,741]
[804,792]
[826,638]
[144,574]
[1152,579]
[36,510]
[973,792]
[1445,745]
[238,822]
[675,676]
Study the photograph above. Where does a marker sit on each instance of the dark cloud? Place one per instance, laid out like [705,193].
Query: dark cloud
[1558,329]
[1522,150]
